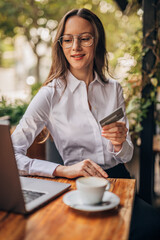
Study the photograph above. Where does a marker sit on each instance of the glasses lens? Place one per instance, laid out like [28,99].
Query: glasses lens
[66,41]
[86,39]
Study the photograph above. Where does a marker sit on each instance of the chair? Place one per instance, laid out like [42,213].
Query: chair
[52,153]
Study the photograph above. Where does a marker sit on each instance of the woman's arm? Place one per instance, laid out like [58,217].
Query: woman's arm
[85,168]
[31,124]
[120,144]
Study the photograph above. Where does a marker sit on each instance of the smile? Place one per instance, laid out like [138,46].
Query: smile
[78,56]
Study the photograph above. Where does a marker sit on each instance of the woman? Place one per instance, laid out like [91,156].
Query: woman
[75,97]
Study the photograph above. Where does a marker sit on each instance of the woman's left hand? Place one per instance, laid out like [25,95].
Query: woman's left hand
[115,132]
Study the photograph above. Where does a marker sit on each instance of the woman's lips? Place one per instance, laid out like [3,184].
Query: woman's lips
[78,56]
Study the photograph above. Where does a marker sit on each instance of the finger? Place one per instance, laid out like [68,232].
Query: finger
[115,124]
[114,135]
[87,165]
[92,171]
[109,126]
[85,173]
[115,130]
[96,167]
[85,169]
[99,169]
[117,139]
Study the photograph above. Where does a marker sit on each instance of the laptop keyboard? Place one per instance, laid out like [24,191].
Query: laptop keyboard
[30,195]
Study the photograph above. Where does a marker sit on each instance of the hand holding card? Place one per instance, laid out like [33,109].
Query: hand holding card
[113,117]
[116,133]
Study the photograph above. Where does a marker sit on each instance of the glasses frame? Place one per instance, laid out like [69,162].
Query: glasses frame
[73,37]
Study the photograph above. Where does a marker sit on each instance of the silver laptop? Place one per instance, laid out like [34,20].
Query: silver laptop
[21,194]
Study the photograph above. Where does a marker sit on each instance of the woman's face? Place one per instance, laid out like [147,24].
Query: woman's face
[80,58]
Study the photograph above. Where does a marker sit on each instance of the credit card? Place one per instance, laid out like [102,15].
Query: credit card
[113,117]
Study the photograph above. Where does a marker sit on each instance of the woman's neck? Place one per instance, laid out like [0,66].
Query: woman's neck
[86,76]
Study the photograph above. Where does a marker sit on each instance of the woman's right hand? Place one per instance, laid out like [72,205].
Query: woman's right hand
[85,168]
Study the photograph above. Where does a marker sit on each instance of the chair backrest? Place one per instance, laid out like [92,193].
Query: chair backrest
[52,153]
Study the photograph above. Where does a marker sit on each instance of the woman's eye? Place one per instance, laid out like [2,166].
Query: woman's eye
[67,40]
[85,39]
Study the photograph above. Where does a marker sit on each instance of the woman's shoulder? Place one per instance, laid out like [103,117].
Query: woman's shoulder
[112,86]
[56,85]
[50,85]
[112,82]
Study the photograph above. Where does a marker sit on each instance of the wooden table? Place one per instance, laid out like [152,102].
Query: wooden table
[59,222]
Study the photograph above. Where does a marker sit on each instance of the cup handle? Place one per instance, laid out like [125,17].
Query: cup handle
[108,186]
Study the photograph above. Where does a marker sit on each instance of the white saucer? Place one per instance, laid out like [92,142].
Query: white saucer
[109,201]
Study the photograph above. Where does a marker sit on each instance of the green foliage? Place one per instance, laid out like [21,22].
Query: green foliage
[14,111]
[34,89]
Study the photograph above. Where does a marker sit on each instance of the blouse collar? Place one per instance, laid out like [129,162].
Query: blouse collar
[73,82]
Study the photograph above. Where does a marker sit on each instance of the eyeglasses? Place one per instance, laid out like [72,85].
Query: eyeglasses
[84,39]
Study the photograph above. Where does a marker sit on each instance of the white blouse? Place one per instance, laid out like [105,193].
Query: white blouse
[74,127]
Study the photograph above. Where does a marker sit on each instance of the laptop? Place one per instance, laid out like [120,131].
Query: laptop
[22,194]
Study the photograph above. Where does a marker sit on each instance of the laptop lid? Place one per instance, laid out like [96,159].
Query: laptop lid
[11,185]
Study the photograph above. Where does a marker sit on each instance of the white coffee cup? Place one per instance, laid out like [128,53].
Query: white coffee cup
[91,189]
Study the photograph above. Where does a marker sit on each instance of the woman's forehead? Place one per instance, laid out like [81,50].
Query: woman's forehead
[77,25]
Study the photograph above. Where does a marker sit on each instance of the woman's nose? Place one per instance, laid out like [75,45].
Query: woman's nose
[76,44]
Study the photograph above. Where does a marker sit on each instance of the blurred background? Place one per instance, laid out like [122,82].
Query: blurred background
[27,29]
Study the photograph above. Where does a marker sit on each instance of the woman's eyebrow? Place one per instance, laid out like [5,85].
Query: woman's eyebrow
[76,34]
